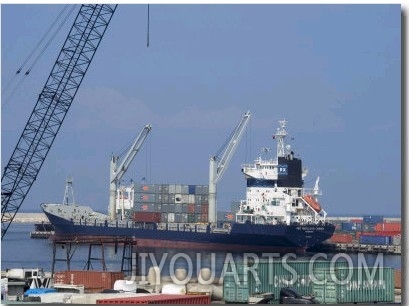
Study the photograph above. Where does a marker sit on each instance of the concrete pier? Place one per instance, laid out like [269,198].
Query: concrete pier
[30,218]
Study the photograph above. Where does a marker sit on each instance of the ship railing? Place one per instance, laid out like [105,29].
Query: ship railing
[183,227]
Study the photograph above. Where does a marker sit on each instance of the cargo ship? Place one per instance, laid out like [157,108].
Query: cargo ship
[278,214]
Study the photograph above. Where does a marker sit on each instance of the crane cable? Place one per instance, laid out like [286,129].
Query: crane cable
[52,26]
[50,40]
[147,34]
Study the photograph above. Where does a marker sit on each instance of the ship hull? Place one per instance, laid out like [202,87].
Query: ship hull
[241,238]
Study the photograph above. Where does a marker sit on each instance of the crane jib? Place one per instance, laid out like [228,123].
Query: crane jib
[52,106]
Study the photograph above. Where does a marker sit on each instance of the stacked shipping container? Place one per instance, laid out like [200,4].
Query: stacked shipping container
[176,203]
[372,229]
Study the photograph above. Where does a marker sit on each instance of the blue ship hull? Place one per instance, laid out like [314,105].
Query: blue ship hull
[241,237]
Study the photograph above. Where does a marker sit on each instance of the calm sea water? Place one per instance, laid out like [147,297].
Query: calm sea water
[18,250]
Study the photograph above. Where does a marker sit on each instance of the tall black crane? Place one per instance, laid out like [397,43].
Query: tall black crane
[52,106]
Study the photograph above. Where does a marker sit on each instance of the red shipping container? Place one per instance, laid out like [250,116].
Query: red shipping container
[191,208]
[204,208]
[93,281]
[383,233]
[341,238]
[356,221]
[159,299]
[144,216]
[388,227]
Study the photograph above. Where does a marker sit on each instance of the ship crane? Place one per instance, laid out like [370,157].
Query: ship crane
[216,170]
[52,106]
[118,170]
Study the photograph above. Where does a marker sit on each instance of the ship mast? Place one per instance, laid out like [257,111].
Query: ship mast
[69,191]
[280,135]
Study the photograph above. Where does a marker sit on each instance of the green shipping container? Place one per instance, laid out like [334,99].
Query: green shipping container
[354,285]
[265,276]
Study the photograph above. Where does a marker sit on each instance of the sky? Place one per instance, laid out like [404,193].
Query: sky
[332,71]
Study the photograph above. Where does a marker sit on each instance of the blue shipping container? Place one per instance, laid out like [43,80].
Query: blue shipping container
[192,189]
[378,240]
[351,226]
[372,219]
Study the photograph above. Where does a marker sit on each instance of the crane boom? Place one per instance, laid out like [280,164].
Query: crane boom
[52,106]
[118,171]
[216,171]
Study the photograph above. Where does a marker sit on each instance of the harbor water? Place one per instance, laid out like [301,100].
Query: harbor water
[18,250]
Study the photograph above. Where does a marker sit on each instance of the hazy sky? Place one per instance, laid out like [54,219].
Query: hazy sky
[332,71]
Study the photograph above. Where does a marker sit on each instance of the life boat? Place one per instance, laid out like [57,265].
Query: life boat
[312,202]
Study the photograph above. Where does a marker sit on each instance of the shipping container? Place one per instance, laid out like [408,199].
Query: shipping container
[178,218]
[171,207]
[367,227]
[178,188]
[144,197]
[183,299]
[185,198]
[172,188]
[198,209]
[164,217]
[192,189]
[158,198]
[341,238]
[171,198]
[205,190]
[165,198]
[184,218]
[269,276]
[165,208]
[171,217]
[376,240]
[388,227]
[350,226]
[199,189]
[145,188]
[148,207]
[93,281]
[372,219]
[356,220]
[178,208]
[198,199]
[185,189]
[354,285]
[153,217]
[383,233]
[184,208]
[205,218]
[165,188]
[158,208]
[204,208]
[191,208]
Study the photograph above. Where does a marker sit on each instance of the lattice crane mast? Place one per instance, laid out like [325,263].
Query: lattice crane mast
[216,170]
[52,106]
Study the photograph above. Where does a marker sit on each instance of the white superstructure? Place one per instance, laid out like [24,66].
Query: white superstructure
[275,192]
